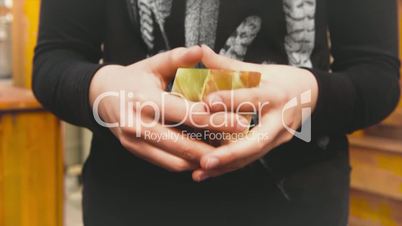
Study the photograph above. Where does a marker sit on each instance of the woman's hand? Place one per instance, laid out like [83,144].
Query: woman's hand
[274,98]
[144,84]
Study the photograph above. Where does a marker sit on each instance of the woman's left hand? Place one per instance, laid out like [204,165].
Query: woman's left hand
[277,101]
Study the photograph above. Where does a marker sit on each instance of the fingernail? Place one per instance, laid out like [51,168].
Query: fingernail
[211,163]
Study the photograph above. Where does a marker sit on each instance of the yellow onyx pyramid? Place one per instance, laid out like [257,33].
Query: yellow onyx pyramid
[195,84]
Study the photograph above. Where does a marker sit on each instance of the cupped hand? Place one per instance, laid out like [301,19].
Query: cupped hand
[275,100]
[143,131]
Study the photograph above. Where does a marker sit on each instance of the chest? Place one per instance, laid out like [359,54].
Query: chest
[255,30]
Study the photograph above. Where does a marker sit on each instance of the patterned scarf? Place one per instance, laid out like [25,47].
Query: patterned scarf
[201,19]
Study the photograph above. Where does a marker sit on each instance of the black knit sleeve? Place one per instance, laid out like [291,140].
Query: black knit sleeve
[67,56]
[363,85]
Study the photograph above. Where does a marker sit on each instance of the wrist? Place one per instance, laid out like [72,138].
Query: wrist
[101,79]
[296,80]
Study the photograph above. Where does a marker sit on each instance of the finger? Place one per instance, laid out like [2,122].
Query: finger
[240,100]
[260,140]
[177,143]
[180,111]
[157,156]
[201,175]
[167,63]
[170,140]
[215,61]
[228,122]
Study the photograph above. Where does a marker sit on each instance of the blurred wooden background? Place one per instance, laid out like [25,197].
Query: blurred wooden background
[31,163]
[31,157]
[376,159]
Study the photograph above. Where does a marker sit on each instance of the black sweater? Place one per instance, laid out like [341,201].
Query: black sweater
[358,88]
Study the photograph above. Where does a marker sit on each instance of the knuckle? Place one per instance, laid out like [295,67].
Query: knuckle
[188,153]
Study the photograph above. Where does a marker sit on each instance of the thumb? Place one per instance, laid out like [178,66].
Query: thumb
[166,64]
[213,60]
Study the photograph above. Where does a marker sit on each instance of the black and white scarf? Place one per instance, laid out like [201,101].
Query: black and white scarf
[201,19]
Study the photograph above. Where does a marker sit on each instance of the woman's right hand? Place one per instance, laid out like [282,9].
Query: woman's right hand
[144,84]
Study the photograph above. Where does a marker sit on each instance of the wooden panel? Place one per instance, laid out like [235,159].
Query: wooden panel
[376,143]
[24,33]
[31,170]
[395,119]
[371,210]
[17,99]
[31,164]
[376,195]
[377,172]
[2,183]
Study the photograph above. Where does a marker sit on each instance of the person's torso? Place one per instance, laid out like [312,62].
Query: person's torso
[276,31]
[294,177]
